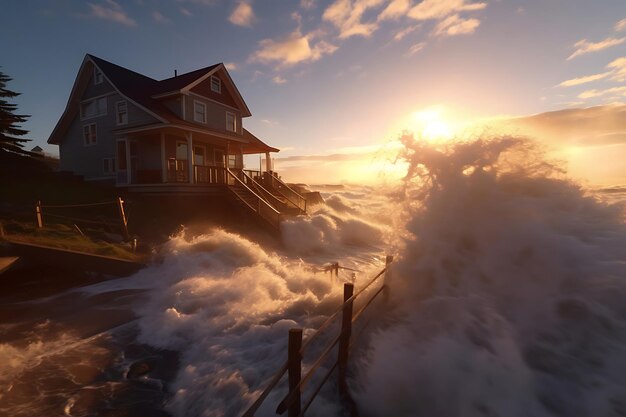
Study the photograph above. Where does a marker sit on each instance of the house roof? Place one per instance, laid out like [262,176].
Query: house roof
[144,92]
[255,145]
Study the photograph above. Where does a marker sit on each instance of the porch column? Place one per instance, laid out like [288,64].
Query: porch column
[129,167]
[268,162]
[163,160]
[190,156]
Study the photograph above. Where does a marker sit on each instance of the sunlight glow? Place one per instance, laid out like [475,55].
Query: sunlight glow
[430,124]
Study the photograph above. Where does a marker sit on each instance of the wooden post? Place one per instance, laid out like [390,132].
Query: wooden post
[388,261]
[39,215]
[344,337]
[295,369]
[120,206]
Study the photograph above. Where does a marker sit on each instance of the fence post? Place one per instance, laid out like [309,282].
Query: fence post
[344,337]
[39,215]
[388,261]
[120,206]
[294,358]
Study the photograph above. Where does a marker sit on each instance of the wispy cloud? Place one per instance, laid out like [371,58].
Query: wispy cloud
[619,26]
[159,18]
[586,47]
[279,80]
[186,12]
[614,91]
[112,11]
[346,15]
[402,33]
[243,15]
[455,25]
[293,49]
[395,9]
[583,80]
[439,9]
[618,69]
[307,4]
[416,48]
[230,66]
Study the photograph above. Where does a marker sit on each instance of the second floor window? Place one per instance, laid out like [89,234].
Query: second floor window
[93,108]
[121,110]
[90,135]
[216,84]
[231,122]
[199,112]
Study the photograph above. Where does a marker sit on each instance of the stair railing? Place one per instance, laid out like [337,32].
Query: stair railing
[292,196]
[269,197]
[262,207]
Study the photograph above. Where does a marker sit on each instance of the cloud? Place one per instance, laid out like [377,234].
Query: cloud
[111,11]
[159,18]
[395,9]
[230,66]
[592,126]
[621,91]
[279,80]
[416,48]
[243,15]
[293,49]
[186,12]
[346,15]
[585,47]
[439,9]
[307,4]
[455,25]
[583,80]
[401,34]
[618,68]
[619,26]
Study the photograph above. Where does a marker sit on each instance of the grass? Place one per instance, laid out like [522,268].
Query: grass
[67,237]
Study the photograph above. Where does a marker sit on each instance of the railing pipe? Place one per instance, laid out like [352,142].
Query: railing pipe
[295,369]
[344,339]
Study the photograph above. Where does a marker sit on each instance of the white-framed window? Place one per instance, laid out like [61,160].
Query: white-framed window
[97,76]
[216,84]
[93,108]
[90,134]
[231,122]
[121,113]
[108,166]
[199,111]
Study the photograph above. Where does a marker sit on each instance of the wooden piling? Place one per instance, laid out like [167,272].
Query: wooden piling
[120,206]
[39,215]
[295,369]
[344,338]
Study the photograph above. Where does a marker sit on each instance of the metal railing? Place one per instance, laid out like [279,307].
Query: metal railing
[292,402]
[262,191]
[294,198]
[259,205]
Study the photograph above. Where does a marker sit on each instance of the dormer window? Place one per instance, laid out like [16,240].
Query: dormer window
[97,76]
[199,112]
[216,84]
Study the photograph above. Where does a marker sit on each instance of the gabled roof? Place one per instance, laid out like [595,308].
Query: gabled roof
[142,91]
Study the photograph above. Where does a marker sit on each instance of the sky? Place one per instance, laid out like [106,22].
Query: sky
[330,81]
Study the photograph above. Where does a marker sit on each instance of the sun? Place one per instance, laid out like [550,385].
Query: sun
[430,124]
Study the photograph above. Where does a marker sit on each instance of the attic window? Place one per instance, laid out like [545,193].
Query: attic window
[97,76]
[216,84]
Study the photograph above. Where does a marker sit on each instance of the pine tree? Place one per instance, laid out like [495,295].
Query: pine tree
[9,121]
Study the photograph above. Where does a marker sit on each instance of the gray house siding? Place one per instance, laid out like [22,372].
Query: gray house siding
[87,160]
[216,114]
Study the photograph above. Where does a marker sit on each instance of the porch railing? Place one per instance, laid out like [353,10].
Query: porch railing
[268,196]
[177,170]
[204,174]
[290,195]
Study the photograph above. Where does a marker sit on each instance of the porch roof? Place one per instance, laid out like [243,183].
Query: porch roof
[255,145]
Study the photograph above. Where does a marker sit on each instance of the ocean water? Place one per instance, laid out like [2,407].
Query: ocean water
[506,298]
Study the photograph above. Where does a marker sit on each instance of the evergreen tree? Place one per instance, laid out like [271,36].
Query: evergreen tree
[9,121]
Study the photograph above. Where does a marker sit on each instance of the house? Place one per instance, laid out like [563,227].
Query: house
[176,136]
